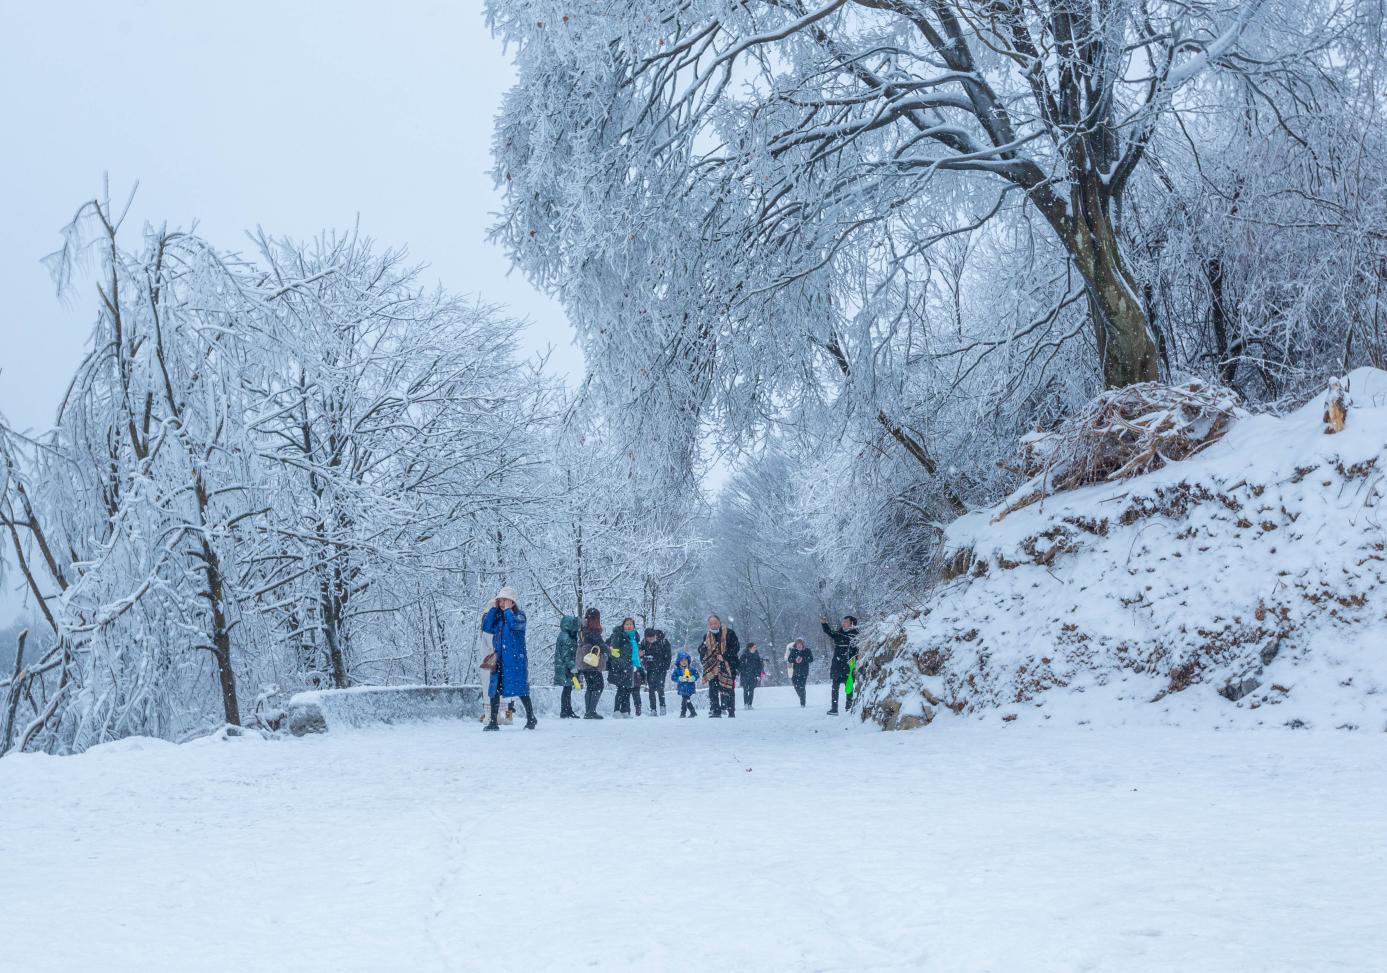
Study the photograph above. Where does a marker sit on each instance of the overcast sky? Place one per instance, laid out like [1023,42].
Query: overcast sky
[293,116]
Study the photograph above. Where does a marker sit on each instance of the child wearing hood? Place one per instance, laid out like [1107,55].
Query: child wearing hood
[685,677]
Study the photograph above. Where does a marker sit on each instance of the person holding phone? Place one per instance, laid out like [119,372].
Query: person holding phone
[844,651]
[510,675]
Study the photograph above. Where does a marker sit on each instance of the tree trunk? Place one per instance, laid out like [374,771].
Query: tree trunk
[1126,348]
[1218,319]
[12,704]
[221,636]
[331,634]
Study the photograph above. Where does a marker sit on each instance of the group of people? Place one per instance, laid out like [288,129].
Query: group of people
[634,661]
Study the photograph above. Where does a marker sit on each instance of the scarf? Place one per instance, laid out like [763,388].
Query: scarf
[635,648]
[715,662]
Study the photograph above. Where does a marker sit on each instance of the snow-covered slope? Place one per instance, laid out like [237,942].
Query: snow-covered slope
[1244,584]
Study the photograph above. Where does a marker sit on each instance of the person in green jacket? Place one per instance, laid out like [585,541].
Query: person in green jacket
[564,651]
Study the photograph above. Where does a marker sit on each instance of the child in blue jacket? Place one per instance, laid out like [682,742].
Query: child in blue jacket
[685,677]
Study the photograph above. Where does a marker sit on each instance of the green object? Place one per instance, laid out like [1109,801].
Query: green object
[852,673]
[565,648]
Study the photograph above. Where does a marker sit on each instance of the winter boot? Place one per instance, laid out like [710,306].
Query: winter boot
[493,725]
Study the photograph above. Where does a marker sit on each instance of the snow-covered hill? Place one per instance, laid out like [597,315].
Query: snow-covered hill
[1245,584]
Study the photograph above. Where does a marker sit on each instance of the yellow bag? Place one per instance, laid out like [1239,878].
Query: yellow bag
[591,659]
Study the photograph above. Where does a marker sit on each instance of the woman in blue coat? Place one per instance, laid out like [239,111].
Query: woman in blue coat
[505,623]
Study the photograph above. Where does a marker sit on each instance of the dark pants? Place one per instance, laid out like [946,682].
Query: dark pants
[623,700]
[798,682]
[838,681]
[721,698]
[686,706]
[636,697]
[524,701]
[748,693]
[592,681]
[566,697]
[656,689]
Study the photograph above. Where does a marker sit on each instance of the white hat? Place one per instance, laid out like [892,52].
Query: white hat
[509,594]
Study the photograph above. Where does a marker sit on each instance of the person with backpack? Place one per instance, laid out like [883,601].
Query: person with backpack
[505,623]
[623,658]
[844,656]
[656,658]
[588,660]
[720,654]
[751,672]
[797,658]
[685,676]
[564,660]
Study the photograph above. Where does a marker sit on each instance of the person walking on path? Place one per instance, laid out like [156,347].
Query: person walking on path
[685,676]
[588,660]
[752,672]
[505,623]
[564,661]
[844,652]
[623,655]
[656,659]
[798,657]
[720,655]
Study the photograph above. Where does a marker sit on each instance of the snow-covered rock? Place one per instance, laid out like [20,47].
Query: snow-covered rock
[1244,584]
[320,710]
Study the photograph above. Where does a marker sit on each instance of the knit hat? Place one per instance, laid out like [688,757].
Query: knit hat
[509,594]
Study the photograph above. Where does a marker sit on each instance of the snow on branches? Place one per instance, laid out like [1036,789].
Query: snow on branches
[265,468]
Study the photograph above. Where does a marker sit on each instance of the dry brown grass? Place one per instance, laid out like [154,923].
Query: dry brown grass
[1122,433]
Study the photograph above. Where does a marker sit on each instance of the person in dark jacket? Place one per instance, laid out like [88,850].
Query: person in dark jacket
[588,660]
[797,658]
[656,658]
[720,655]
[564,650]
[623,658]
[685,676]
[844,651]
[751,671]
[505,623]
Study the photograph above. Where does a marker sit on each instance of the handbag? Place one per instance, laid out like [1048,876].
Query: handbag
[591,659]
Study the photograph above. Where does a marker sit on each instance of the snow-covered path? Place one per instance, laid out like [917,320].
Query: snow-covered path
[781,840]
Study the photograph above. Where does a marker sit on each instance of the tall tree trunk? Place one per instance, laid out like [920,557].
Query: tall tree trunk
[221,635]
[12,703]
[1125,346]
[1218,319]
[332,635]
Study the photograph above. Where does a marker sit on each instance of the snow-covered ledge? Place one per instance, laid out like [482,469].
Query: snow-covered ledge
[319,710]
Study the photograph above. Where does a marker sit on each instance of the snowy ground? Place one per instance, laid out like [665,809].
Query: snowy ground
[783,840]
